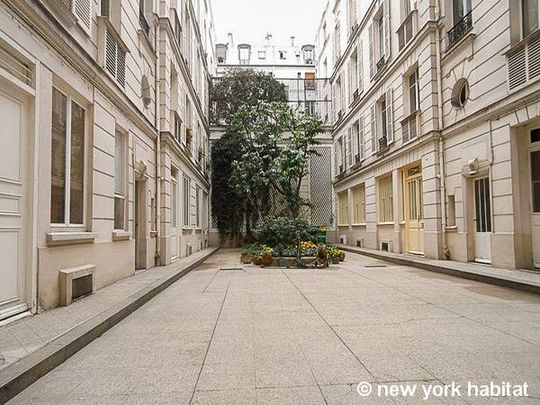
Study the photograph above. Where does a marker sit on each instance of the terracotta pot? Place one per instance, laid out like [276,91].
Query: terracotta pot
[257,260]
[267,259]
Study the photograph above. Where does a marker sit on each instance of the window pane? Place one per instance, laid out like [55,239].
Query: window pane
[119,204]
[530,16]
[58,158]
[76,202]
[535,175]
[119,164]
[413,92]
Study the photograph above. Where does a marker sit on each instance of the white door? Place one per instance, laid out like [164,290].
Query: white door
[174,219]
[535,214]
[12,204]
[414,218]
[482,220]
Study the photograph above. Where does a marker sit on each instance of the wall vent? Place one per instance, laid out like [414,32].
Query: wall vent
[360,242]
[76,282]
[386,246]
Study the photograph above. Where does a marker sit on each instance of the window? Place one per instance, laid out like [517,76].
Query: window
[343,208]
[451,210]
[380,34]
[530,15]
[262,55]
[351,8]
[120,155]
[67,160]
[460,93]
[142,18]
[359,204]
[379,40]
[409,5]
[282,55]
[105,8]
[382,120]
[244,53]
[535,180]
[358,140]
[198,207]
[310,107]
[187,195]
[337,44]
[205,210]
[412,82]
[353,77]
[386,200]
[461,8]
[174,197]
[177,127]
[221,53]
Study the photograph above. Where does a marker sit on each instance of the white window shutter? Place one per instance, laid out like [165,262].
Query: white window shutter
[390,116]
[350,83]
[387,33]
[360,68]
[371,56]
[373,128]
[83,10]
[349,148]
[336,158]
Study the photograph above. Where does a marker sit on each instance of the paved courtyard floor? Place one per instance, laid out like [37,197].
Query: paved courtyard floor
[227,334]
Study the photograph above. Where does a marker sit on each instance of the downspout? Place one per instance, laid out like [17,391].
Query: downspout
[442,173]
[157,256]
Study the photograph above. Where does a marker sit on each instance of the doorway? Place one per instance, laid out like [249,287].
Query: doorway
[140,225]
[15,210]
[482,220]
[414,216]
[534,159]
[175,248]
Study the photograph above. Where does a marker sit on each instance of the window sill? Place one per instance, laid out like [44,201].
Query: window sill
[343,225]
[120,234]
[359,224]
[451,229]
[70,238]
[466,39]
[385,223]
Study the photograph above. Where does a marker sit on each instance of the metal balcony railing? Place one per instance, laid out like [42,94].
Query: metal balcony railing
[459,30]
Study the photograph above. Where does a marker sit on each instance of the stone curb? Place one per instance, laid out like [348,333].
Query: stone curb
[471,275]
[20,375]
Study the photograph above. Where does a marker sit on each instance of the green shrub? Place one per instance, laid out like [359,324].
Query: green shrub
[281,233]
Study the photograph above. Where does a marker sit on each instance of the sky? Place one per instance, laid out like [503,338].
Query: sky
[251,20]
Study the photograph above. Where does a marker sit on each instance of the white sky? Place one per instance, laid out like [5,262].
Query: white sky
[251,20]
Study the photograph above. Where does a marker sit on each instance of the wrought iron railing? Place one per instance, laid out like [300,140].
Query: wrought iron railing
[459,30]
[383,142]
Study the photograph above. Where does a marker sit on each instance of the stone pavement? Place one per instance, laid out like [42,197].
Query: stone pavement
[271,336]
[24,336]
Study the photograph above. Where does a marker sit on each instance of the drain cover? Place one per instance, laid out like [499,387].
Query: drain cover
[373,266]
[231,269]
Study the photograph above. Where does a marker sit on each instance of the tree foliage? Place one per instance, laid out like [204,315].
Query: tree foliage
[240,88]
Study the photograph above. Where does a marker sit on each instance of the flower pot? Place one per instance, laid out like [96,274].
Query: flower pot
[342,257]
[266,259]
[257,260]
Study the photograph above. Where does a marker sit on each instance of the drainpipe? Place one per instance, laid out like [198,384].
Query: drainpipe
[157,256]
[442,173]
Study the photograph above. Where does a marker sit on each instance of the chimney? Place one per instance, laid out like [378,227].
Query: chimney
[230,40]
[292,41]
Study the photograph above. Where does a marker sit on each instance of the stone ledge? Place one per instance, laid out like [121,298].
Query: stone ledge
[523,280]
[70,238]
[23,373]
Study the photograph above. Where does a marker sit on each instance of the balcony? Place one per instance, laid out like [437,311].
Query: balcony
[523,61]
[409,127]
[459,30]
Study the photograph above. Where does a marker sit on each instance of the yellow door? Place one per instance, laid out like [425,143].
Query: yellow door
[414,219]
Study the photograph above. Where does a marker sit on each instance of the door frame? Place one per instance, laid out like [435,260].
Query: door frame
[475,220]
[406,178]
[531,147]
[26,96]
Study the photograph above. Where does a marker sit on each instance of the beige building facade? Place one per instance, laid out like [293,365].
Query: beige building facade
[86,145]
[435,141]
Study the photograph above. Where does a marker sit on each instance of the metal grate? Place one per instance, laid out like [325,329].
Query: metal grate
[321,186]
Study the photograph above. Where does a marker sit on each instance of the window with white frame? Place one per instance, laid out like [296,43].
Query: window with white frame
[186,200]
[353,77]
[83,10]
[413,91]
[337,43]
[382,120]
[379,39]
[385,199]
[120,173]
[67,160]
[358,140]
[359,204]
[360,66]
[460,9]
[530,11]
[343,208]
[115,58]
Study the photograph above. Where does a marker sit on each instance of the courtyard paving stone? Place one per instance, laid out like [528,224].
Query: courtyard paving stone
[298,336]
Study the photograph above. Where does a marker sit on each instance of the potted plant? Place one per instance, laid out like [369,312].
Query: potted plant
[246,254]
[267,256]
[256,260]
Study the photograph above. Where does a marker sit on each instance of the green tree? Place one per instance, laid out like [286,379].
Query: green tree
[238,88]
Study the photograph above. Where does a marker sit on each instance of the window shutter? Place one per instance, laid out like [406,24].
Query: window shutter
[390,116]
[373,128]
[83,11]
[387,34]
[350,83]
[360,68]
[371,56]
[110,54]
[336,159]
[361,142]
